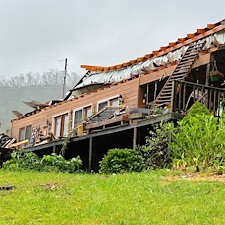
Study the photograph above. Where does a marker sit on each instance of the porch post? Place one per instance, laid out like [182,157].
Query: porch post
[207,74]
[134,137]
[54,149]
[90,154]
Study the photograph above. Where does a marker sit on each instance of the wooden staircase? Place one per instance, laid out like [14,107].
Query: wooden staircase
[180,73]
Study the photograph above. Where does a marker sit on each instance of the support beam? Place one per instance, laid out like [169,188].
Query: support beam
[54,149]
[90,154]
[207,74]
[134,137]
[155,89]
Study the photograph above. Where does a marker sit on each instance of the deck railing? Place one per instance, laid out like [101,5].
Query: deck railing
[185,94]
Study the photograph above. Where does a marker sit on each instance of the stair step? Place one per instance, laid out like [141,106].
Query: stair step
[194,51]
[166,90]
[178,73]
[161,101]
[189,57]
[184,63]
[179,70]
[164,103]
[164,99]
[169,85]
[183,66]
[178,77]
[166,94]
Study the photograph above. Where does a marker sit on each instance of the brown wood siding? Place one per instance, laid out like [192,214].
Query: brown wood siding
[129,91]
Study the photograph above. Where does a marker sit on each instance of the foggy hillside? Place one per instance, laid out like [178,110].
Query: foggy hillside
[28,87]
[11,99]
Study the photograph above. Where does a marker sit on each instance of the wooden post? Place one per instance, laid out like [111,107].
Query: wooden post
[135,137]
[54,149]
[147,93]
[172,106]
[155,90]
[207,74]
[90,154]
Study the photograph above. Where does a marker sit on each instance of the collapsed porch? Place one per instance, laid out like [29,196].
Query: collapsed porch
[91,147]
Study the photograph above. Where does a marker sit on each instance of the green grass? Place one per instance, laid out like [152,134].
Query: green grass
[138,198]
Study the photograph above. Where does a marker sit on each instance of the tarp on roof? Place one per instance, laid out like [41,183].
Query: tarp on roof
[120,74]
[107,77]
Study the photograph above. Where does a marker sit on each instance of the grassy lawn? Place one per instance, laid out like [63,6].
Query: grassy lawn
[139,198]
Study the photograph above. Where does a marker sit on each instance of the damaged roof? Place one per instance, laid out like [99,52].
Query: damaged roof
[213,35]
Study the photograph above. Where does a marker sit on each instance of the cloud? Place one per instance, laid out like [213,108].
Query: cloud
[36,34]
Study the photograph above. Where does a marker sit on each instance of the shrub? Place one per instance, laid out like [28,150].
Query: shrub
[121,161]
[49,163]
[196,109]
[199,142]
[156,152]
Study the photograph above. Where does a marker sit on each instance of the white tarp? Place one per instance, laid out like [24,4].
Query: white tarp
[120,74]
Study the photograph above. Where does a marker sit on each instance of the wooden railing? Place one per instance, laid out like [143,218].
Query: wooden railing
[185,94]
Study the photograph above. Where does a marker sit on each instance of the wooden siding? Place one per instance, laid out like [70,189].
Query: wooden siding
[129,91]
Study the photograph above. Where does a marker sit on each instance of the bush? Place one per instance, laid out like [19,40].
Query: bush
[196,109]
[121,161]
[49,163]
[156,151]
[199,142]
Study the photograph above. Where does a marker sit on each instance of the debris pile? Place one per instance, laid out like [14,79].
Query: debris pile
[4,139]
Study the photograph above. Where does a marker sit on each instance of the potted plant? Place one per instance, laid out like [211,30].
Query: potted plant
[216,75]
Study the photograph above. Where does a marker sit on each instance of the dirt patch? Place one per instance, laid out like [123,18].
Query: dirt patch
[205,176]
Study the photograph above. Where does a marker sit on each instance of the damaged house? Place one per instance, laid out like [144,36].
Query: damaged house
[116,106]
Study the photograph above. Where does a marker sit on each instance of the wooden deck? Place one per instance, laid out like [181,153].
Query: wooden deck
[97,135]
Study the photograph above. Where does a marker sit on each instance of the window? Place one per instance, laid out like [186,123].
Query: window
[22,134]
[102,105]
[78,116]
[114,101]
[61,125]
[65,125]
[57,126]
[87,112]
[25,133]
[28,132]
[82,114]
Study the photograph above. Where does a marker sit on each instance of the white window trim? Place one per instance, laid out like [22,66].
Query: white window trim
[107,100]
[53,120]
[81,108]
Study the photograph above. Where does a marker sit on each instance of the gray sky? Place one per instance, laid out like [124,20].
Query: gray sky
[37,34]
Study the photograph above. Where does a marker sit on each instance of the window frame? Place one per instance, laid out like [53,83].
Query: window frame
[84,113]
[25,135]
[74,113]
[108,100]
[21,138]
[62,117]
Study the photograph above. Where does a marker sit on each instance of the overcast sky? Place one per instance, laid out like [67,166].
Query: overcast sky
[37,35]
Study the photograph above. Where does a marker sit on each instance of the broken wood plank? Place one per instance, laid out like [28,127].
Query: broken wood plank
[9,142]
[137,115]
[122,118]
[19,143]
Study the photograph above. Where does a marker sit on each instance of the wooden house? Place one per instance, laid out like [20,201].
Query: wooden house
[115,106]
